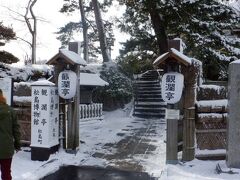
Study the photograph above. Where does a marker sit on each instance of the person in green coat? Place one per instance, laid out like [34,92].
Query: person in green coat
[9,137]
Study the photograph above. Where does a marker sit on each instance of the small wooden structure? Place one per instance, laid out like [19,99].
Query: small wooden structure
[88,109]
[176,61]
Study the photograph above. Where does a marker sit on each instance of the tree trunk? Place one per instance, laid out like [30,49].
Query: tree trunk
[32,30]
[101,32]
[85,29]
[158,26]
[34,34]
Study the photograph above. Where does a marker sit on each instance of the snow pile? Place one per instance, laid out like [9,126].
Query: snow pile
[22,98]
[212,115]
[213,103]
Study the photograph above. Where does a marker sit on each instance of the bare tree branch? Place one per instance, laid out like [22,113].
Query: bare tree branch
[24,41]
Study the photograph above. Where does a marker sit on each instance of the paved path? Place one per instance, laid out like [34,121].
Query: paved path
[139,155]
[138,145]
[96,173]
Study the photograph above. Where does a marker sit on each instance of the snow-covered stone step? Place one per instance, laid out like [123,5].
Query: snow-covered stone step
[156,93]
[151,103]
[148,85]
[149,96]
[156,106]
[149,92]
[149,115]
[147,81]
[149,88]
[150,110]
[150,99]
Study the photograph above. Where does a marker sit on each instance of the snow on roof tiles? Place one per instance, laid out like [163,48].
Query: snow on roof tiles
[174,54]
[69,56]
[89,79]
[42,82]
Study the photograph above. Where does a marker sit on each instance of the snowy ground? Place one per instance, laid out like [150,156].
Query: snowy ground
[116,126]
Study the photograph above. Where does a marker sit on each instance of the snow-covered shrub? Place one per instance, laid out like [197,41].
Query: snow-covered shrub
[21,73]
[119,91]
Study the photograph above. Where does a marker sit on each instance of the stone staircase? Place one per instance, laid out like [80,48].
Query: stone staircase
[148,101]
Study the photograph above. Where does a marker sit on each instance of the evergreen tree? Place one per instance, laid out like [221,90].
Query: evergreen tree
[202,24]
[66,33]
[6,34]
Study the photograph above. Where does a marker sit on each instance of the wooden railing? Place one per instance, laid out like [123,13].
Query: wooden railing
[90,111]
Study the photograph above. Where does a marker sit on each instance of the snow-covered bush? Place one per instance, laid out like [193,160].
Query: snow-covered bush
[119,91]
[24,73]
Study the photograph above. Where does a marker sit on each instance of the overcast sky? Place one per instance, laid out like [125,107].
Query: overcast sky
[47,45]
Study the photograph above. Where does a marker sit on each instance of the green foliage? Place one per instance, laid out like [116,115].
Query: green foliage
[131,64]
[119,90]
[7,57]
[36,74]
[66,33]
[6,34]
[201,24]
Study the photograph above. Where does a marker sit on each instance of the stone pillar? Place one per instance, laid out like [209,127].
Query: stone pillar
[233,123]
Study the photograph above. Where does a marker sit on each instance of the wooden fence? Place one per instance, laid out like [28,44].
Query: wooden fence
[211,117]
[23,113]
[91,111]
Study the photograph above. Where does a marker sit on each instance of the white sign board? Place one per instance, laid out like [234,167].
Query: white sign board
[172,114]
[172,86]
[45,116]
[67,81]
[6,87]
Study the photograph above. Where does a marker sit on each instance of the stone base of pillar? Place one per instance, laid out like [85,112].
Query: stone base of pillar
[42,154]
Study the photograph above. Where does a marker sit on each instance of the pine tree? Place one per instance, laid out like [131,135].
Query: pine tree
[90,26]
[202,24]
[6,34]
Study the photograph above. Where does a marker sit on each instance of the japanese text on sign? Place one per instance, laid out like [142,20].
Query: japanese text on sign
[44,126]
[67,84]
[172,86]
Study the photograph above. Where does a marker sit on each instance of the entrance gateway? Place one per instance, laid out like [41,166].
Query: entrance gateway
[180,71]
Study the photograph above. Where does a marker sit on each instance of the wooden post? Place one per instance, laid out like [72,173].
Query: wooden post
[73,116]
[190,78]
[172,126]
[62,110]
[172,139]
[189,134]
[76,110]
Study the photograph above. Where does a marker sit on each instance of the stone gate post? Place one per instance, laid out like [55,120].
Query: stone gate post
[233,123]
